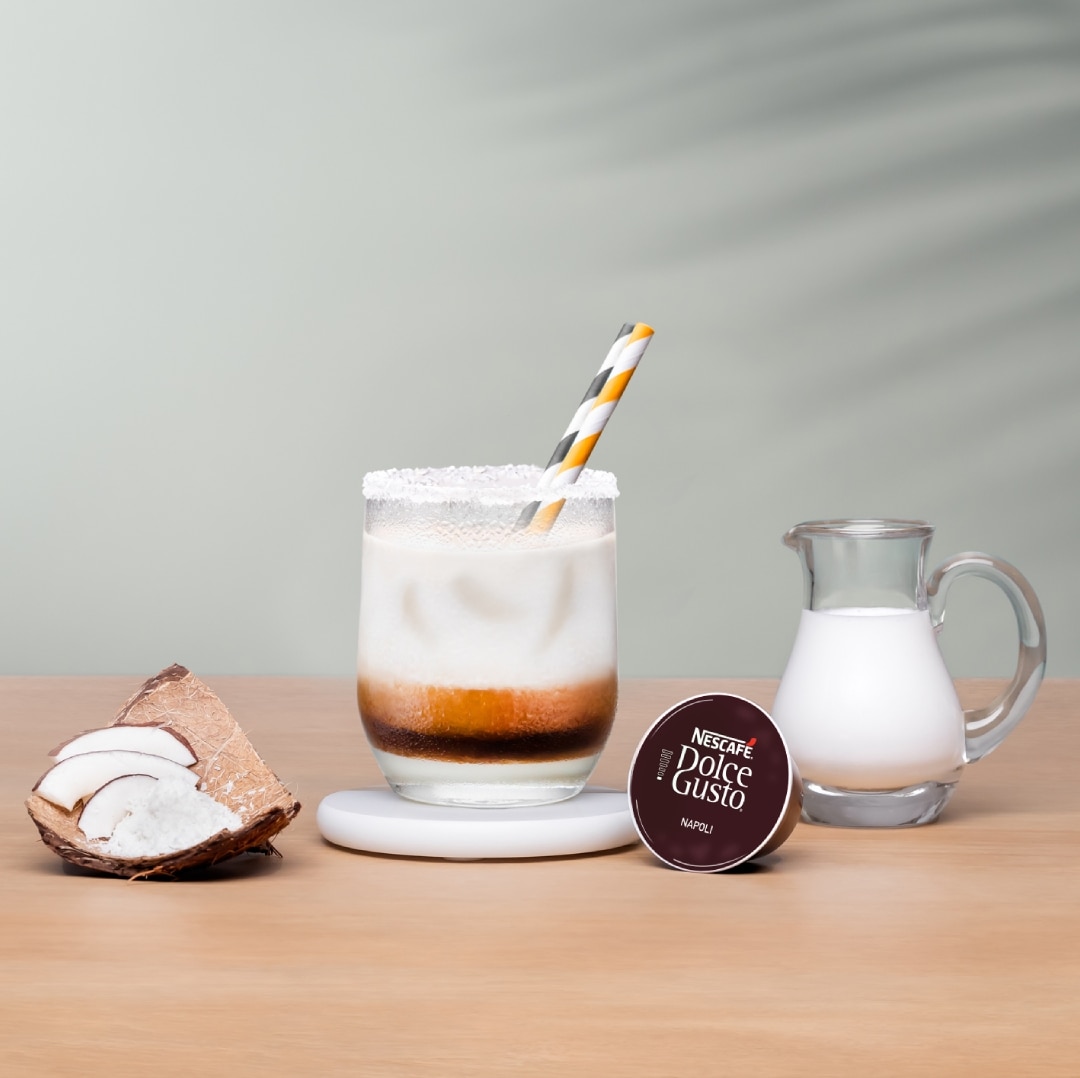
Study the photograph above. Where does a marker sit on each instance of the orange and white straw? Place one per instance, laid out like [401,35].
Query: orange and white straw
[595,410]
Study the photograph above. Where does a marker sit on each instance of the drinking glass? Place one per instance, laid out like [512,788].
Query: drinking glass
[486,665]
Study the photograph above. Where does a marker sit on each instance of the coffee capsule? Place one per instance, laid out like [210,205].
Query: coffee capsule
[712,784]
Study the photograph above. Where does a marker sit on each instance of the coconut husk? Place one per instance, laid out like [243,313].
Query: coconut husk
[229,770]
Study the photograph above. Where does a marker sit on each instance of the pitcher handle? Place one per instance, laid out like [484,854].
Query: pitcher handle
[986,727]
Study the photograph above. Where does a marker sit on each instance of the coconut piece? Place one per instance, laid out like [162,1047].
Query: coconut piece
[228,769]
[158,740]
[70,781]
[112,803]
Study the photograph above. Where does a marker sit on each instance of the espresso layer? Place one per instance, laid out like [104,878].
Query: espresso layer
[488,725]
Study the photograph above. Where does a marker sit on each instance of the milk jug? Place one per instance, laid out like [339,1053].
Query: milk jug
[866,703]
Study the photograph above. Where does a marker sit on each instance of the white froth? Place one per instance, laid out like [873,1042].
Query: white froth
[506,484]
[529,618]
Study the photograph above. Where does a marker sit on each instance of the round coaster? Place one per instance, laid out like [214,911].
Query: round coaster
[712,784]
[379,821]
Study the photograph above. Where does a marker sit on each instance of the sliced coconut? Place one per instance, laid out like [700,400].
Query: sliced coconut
[157,740]
[227,769]
[106,808]
[71,780]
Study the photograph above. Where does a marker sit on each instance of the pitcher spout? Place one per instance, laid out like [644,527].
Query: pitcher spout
[791,538]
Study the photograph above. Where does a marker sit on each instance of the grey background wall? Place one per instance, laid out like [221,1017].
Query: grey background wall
[250,251]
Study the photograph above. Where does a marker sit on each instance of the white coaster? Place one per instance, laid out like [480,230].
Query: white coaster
[379,821]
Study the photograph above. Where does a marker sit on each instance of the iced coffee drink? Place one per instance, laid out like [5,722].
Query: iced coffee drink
[487,652]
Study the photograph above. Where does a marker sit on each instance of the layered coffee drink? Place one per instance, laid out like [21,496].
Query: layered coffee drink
[487,653]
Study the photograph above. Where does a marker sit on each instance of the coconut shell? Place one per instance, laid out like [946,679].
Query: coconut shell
[229,770]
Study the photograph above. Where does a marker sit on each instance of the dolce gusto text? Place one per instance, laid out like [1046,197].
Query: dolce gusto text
[714,769]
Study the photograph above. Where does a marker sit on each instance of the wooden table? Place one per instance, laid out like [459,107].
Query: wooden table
[948,949]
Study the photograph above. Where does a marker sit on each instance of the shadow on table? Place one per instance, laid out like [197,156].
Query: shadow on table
[244,866]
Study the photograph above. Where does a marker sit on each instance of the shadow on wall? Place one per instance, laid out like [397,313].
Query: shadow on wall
[881,204]
[898,187]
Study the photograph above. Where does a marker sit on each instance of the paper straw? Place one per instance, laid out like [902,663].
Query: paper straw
[595,410]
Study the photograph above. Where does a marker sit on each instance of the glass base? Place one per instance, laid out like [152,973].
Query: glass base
[908,806]
[437,782]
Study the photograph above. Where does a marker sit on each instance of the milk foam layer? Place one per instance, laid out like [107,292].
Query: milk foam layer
[483,618]
[867,703]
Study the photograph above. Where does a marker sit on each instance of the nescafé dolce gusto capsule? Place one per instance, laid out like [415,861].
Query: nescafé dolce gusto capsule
[712,784]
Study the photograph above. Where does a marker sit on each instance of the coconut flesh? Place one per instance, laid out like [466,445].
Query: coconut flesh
[172,784]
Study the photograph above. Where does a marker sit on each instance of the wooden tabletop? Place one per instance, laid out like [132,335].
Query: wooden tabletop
[947,949]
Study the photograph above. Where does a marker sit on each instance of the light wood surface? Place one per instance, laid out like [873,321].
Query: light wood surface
[948,949]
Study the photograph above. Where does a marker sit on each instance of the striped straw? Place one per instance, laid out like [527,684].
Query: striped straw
[585,428]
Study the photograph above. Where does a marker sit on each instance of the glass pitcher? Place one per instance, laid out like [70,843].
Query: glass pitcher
[866,703]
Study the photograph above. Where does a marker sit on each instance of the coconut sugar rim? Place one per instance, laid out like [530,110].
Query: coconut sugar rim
[506,484]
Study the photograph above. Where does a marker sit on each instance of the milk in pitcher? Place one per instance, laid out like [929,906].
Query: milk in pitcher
[854,714]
